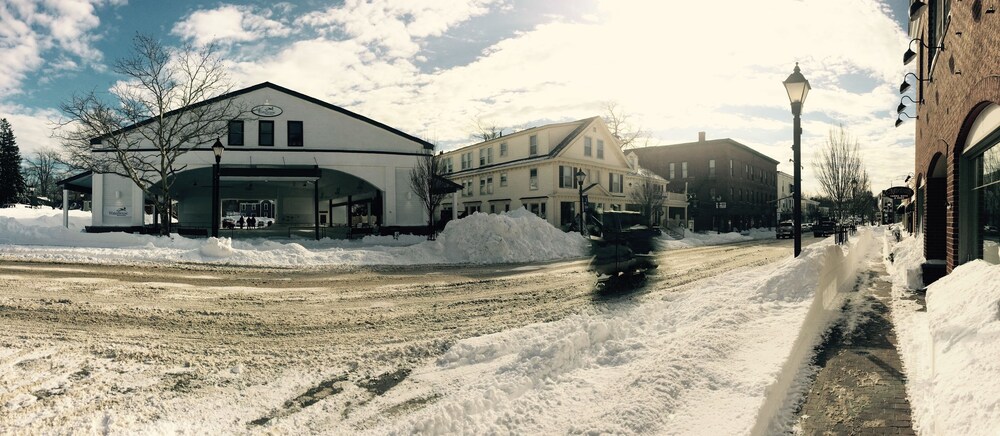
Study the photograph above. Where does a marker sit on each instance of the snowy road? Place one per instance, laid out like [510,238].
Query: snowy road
[200,348]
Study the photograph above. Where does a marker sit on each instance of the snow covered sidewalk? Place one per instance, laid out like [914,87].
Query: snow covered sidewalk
[948,342]
[698,360]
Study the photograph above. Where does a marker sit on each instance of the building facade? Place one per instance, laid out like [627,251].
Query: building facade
[956,46]
[785,203]
[292,162]
[536,168]
[729,185]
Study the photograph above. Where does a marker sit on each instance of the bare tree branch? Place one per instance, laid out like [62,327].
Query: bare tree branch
[424,185]
[841,172]
[486,130]
[621,127]
[649,194]
[153,117]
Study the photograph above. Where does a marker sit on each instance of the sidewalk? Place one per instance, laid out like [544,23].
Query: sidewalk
[860,387]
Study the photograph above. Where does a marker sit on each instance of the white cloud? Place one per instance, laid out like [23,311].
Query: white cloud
[395,27]
[230,23]
[31,29]
[32,128]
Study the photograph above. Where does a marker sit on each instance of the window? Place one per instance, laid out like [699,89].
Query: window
[265,133]
[503,149]
[567,177]
[466,160]
[684,170]
[467,190]
[731,194]
[489,155]
[730,167]
[937,15]
[235,132]
[671,170]
[587,146]
[711,193]
[533,179]
[447,165]
[486,186]
[711,168]
[615,183]
[295,137]
[536,208]
[984,226]
[482,156]
[532,145]
[600,149]
[503,179]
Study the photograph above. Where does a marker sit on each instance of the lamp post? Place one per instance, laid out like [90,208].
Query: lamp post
[797,87]
[217,149]
[580,176]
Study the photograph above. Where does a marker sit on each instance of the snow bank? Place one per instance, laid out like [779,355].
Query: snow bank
[949,348]
[517,236]
[696,361]
[692,239]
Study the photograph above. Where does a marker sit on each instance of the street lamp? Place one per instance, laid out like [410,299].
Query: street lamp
[797,87]
[217,149]
[580,176]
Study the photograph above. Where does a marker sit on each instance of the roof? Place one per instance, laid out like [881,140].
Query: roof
[723,141]
[269,85]
[82,182]
[562,144]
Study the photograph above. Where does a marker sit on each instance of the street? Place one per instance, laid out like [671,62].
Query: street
[151,342]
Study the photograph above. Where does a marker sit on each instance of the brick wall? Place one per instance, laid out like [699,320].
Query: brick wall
[965,79]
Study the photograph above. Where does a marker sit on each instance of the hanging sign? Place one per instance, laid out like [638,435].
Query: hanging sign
[266,110]
[898,192]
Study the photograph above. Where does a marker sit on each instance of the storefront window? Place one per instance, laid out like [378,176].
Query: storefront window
[986,200]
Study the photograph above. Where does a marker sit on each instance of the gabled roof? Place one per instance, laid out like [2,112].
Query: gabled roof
[299,95]
[584,123]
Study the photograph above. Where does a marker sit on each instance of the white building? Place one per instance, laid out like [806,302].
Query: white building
[785,204]
[295,163]
[536,168]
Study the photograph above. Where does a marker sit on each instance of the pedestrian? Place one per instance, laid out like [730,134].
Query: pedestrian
[241,222]
[251,222]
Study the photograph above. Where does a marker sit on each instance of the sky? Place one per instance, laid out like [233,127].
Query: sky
[432,68]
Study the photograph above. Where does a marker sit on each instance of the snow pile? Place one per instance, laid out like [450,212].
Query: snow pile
[904,260]
[949,347]
[515,236]
[695,361]
[518,236]
[692,239]
[217,247]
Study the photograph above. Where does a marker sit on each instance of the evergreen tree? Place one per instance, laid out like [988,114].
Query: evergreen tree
[11,181]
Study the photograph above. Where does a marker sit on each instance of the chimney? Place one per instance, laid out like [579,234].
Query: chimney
[701,136]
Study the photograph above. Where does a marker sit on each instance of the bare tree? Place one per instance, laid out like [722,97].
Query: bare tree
[486,130]
[162,109]
[649,194]
[841,171]
[43,167]
[620,124]
[426,182]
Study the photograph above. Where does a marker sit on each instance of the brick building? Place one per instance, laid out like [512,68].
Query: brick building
[730,186]
[956,46]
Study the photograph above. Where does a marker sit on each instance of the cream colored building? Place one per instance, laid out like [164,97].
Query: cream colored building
[535,169]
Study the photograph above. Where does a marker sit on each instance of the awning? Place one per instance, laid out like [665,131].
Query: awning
[83,183]
[441,185]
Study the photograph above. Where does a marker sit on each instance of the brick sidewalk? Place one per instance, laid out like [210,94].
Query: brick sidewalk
[860,387]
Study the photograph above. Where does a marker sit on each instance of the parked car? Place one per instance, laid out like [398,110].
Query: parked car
[824,228]
[786,229]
